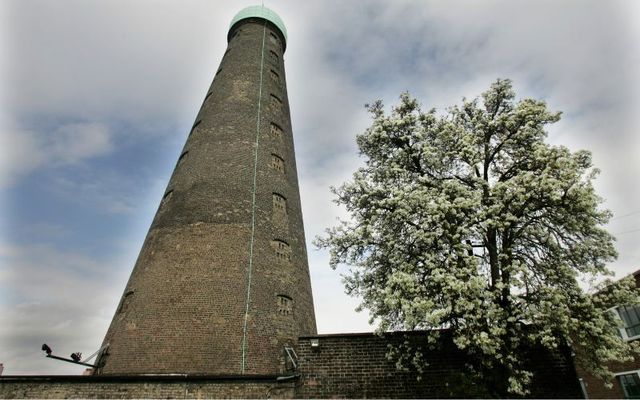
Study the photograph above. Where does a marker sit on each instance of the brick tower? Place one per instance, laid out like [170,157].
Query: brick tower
[221,284]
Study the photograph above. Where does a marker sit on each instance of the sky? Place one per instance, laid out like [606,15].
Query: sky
[98,97]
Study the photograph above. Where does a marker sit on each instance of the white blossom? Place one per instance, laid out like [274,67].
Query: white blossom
[470,221]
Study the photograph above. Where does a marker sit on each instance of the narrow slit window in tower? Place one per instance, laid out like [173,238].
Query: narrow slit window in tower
[274,76]
[195,126]
[277,163]
[124,303]
[274,39]
[274,57]
[284,304]
[182,156]
[276,103]
[276,131]
[282,250]
[279,204]
[166,197]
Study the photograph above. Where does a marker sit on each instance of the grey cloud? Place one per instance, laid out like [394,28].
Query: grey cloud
[65,299]
[119,59]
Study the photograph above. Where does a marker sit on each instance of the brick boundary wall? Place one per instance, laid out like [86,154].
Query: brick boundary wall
[356,366]
[341,366]
[145,386]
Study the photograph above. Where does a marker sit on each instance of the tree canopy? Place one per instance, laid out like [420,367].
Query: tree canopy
[470,221]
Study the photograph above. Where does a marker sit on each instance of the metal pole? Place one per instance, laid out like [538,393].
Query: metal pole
[70,360]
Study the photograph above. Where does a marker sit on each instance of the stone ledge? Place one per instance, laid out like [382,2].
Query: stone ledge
[143,378]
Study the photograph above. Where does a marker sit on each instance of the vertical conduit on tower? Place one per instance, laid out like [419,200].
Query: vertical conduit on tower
[253,205]
[195,289]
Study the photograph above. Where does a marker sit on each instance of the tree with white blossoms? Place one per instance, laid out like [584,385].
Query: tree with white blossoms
[469,221]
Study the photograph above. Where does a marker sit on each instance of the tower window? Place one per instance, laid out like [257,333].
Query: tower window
[282,250]
[195,126]
[276,131]
[279,204]
[274,39]
[276,103]
[274,76]
[182,156]
[167,196]
[274,57]
[284,304]
[277,163]
[124,303]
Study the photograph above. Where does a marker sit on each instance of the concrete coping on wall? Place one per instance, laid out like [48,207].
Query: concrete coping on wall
[144,378]
[371,334]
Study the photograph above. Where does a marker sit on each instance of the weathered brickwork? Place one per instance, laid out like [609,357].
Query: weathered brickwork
[357,366]
[595,388]
[341,366]
[122,387]
[183,309]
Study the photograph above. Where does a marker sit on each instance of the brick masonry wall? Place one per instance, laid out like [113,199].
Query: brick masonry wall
[595,387]
[343,366]
[170,387]
[356,366]
[183,308]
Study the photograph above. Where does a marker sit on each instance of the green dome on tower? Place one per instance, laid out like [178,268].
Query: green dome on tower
[260,12]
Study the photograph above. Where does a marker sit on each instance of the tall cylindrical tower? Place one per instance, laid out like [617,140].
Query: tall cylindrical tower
[222,284]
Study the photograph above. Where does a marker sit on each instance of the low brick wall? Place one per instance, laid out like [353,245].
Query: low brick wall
[342,366]
[356,366]
[141,386]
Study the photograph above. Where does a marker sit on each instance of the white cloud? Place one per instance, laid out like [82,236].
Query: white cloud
[74,142]
[27,150]
[111,59]
[21,150]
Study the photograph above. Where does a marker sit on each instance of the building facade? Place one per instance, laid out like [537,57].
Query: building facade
[626,383]
[221,285]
